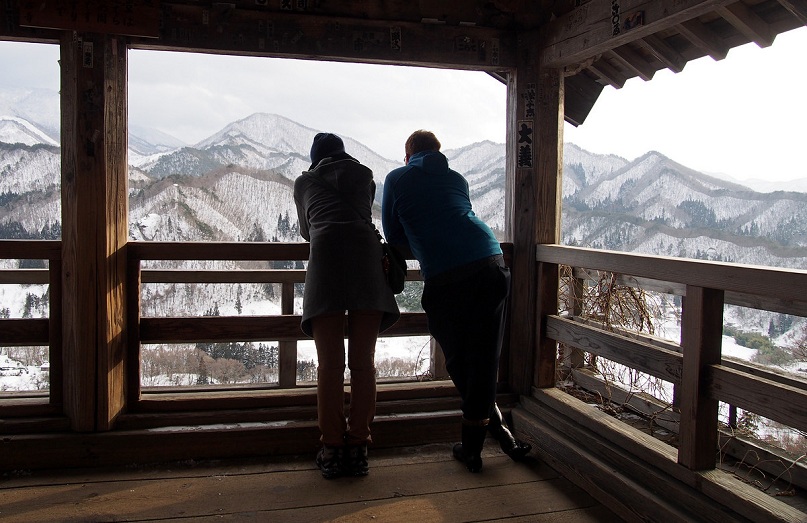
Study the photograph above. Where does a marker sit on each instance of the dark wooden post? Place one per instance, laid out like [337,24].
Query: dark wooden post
[287,350]
[534,163]
[134,278]
[701,339]
[94,227]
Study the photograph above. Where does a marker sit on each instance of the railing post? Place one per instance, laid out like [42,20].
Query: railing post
[56,373]
[701,337]
[572,357]
[287,358]
[133,312]
[438,361]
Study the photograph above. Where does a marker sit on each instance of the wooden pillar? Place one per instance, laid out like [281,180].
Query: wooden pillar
[701,340]
[534,164]
[94,227]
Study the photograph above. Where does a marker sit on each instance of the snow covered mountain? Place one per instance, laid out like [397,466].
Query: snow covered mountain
[657,206]
[261,141]
[237,185]
[40,106]
[14,130]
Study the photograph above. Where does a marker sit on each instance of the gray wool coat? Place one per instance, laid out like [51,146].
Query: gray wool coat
[344,265]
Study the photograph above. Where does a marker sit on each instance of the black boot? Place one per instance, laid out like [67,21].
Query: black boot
[511,446]
[473,439]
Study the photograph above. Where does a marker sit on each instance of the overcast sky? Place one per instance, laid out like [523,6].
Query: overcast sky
[744,116]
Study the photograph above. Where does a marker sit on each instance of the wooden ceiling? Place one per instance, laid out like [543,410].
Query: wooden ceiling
[596,42]
[668,38]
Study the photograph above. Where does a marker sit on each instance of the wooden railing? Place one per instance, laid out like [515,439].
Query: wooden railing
[35,331]
[695,367]
[283,328]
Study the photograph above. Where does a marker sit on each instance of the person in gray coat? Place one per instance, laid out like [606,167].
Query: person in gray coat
[345,292]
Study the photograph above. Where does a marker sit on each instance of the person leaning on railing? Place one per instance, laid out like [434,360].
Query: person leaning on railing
[344,275]
[426,207]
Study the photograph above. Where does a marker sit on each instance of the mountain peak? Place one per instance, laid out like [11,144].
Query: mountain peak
[18,130]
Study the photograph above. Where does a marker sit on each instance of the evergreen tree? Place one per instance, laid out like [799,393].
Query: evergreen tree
[202,376]
[257,234]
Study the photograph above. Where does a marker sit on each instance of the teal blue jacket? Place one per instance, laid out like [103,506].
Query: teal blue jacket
[426,207]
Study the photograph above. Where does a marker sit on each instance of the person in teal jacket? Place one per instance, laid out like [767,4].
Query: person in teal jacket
[426,207]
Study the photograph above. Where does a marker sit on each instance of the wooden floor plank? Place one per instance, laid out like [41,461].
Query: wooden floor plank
[419,484]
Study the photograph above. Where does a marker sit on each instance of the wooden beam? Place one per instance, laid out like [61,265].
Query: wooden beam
[633,62]
[664,52]
[317,37]
[218,251]
[730,498]
[94,226]
[597,27]
[797,8]
[748,23]
[250,328]
[30,249]
[584,465]
[23,331]
[520,201]
[534,163]
[136,18]
[656,361]
[771,460]
[701,338]
[703,38]
[580,92]
[549,185]
[608,73]
[768,398]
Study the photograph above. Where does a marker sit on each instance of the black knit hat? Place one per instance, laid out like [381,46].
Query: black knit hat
[325,145]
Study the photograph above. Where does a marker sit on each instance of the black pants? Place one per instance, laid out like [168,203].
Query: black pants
[466,317]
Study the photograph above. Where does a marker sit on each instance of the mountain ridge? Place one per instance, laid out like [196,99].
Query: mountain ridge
[608,201]
[237,185]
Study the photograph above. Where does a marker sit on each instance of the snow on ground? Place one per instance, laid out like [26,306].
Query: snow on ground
[413,349]
[730,348]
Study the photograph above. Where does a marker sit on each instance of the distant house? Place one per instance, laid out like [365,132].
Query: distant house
[9,367]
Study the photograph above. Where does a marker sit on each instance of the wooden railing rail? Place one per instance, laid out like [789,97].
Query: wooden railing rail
[770,282]
[697,366]
[36,331]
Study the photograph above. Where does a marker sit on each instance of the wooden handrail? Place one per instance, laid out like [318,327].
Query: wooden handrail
[696,365]
[772,282]
[30,249]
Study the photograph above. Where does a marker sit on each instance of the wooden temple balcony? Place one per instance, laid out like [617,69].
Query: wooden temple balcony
[133,448]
